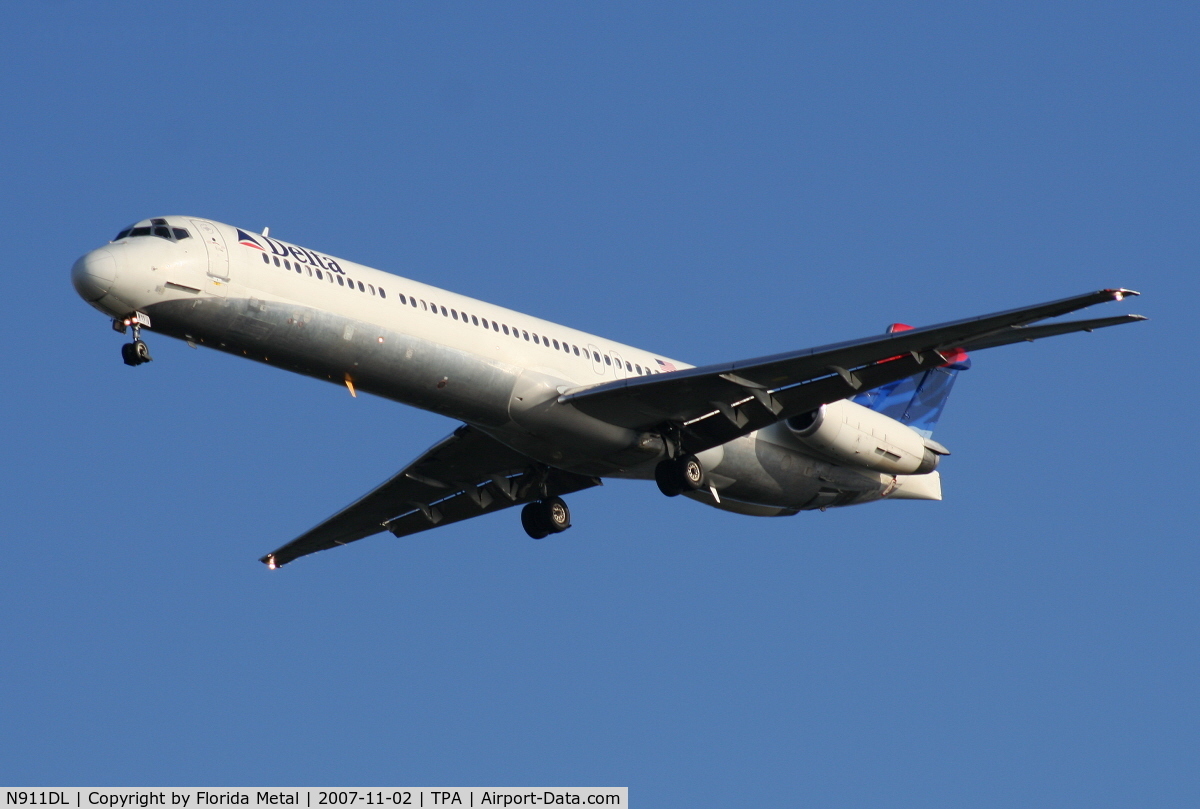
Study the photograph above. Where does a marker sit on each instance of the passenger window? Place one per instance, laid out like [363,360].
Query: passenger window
[506,329]
[403,301]
[372,288]
[286,264]
[637,368]
[423,306]
[276,260]
[607,361]
[307,269]
[555,344]
[495,326]
[596,356]
[454,314]
[360,287]
[628,367]
[576,350]
[319,276]
[340,281]
[475,321]
[181,233]
[382,294]
[444,312]
[526,334]
[535,339]
[266,259]
[298,270]
[413,301]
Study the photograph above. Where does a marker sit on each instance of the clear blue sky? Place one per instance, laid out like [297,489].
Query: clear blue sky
[708,181]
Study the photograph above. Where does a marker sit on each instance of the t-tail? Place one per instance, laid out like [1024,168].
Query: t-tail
[919,400]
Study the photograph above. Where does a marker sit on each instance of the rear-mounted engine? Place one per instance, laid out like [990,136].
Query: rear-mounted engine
[854,435]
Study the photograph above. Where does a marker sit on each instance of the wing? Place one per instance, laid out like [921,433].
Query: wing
[464,475]
[708,406]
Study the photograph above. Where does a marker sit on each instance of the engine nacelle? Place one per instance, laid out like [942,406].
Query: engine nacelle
[849,433]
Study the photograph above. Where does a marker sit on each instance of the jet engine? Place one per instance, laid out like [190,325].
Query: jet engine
[851,434]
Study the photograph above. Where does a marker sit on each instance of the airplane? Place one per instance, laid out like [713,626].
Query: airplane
[548,410]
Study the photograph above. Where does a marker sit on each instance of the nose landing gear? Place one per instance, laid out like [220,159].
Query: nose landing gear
[137,352]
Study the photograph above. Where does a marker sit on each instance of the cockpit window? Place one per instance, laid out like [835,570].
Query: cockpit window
[157,227]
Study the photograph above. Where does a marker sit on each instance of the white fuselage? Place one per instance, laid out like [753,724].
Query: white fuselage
[498,369]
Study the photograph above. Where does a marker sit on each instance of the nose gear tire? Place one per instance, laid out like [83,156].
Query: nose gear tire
[135,353]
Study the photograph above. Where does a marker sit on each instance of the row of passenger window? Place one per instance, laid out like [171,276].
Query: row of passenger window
[503,328]
[320,276]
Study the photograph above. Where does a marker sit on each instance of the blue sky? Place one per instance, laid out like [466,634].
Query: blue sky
[707,181]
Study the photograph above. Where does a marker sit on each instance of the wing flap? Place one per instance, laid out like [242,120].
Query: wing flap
[490,497]
[1019,334]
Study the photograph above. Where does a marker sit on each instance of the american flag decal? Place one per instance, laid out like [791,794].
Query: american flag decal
[666,366]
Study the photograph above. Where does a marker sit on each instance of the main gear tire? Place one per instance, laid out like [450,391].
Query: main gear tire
[667,479]
[555,514]
[678,475]
[532,522]
[545,517]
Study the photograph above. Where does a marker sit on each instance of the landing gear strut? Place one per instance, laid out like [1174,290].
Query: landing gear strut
[675,476]
[544,517]
[137,352]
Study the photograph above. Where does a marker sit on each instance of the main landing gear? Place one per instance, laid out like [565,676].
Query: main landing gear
[544,517]
[137,352]
[675,476]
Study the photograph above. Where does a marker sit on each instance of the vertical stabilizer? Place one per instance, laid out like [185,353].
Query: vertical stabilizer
[919,400]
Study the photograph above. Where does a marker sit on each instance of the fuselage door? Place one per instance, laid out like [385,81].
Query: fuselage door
[214,243]
[594,355]
[618,364]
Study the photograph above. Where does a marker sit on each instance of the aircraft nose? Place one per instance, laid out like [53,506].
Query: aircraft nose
[94,273]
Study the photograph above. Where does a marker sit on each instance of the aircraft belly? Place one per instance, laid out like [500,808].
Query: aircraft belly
[340,349]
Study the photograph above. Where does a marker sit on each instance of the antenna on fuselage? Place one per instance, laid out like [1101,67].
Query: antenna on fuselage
[267,232]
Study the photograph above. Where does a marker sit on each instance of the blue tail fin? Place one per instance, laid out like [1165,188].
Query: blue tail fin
[917,401]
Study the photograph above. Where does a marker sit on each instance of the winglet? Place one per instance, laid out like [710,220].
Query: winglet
[1122,294]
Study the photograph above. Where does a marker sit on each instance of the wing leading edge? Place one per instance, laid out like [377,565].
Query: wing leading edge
[464,475]
[714,404]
